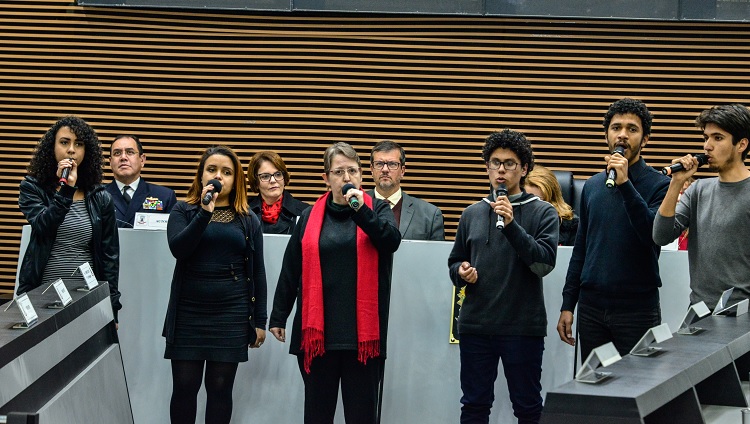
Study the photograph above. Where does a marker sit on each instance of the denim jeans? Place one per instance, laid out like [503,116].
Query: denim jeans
[522,365]
[623,327]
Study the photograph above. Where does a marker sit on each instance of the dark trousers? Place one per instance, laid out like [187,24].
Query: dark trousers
[622,327]
[359,387]
[522,365]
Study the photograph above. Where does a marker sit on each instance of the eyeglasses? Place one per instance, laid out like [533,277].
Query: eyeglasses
[267,177]
[129,152]
[379,164]
[509,165]
[353,172]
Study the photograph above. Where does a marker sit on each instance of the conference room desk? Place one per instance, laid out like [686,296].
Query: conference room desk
[67,367]
[690,371]
[421,382]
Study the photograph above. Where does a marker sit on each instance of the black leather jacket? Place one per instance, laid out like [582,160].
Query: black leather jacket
[45,210]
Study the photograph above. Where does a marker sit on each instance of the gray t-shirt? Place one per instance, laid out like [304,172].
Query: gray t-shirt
[718,216]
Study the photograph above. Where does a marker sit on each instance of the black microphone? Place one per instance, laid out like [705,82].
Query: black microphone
[502,190]
[612,174]
[210,195]
[64,176]
[677,167]
[353,202]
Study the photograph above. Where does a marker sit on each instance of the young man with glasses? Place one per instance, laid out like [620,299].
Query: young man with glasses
[416,218]
[503,316]
[129,191]
[613,274]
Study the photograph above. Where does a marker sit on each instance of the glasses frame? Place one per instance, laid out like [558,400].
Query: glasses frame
[504,164]
[340,172]
[396,165]
[131,153]
[268,176]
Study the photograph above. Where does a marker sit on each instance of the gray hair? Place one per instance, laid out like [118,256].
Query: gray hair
[339,148]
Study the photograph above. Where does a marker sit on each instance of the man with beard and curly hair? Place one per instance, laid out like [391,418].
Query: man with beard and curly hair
[613,274]
[503,316]
[72,217]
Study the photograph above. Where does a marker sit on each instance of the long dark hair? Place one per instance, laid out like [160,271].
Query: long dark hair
[43,165]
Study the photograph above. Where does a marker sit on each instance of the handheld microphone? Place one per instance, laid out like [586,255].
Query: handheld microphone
[502,190]
[677,167]
[612,174]
[64,176]
[210,195]
[353,202]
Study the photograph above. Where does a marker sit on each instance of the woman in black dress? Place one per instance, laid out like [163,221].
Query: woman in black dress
[217,305]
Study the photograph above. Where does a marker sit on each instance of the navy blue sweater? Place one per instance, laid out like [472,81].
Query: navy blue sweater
[615,262]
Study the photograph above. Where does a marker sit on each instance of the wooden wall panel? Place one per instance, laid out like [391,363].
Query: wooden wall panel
[295,83]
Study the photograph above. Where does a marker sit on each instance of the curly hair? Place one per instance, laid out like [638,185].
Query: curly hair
[237,201]
[257,160]
[514,141]
[43,165]
[734,119]
[627,105]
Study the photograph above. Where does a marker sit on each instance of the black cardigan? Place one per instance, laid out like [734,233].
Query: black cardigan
[380,226]
[186,225]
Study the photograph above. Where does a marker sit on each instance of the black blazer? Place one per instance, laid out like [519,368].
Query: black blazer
[291,209]
[125,213]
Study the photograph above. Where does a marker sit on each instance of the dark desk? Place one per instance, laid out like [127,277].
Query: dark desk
[67,367]
[669,387]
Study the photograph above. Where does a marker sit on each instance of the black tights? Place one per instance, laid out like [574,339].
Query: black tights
[186,381]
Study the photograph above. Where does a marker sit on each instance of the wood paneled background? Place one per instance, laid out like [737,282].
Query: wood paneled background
[295,83]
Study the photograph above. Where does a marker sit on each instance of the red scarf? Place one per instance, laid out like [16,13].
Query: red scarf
[270,213]
[368,325]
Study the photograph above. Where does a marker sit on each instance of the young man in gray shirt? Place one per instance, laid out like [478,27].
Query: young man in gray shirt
[716,210]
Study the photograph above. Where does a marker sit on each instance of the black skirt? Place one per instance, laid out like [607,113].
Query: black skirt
[212,314]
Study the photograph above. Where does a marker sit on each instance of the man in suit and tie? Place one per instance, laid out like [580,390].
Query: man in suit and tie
[130,192]
[417,219]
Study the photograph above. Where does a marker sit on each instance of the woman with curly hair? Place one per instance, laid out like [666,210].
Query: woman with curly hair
[543,183]
[72,217]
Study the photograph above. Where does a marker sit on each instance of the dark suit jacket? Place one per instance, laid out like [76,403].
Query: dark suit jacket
[420,220]
[125,213]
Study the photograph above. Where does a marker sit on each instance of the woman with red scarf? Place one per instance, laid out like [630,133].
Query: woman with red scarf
[337,267]
[278,210]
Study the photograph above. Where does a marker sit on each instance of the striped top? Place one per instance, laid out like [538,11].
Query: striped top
[71,247]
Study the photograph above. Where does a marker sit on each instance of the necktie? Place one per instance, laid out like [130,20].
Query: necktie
[126,195]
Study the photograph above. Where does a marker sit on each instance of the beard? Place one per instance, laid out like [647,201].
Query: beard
[386,184]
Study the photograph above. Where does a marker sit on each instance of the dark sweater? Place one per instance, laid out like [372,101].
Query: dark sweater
[338,261]
[615,262]
[568,230]
[507,298]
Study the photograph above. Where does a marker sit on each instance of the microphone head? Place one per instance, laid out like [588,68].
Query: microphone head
[619,149]
[345,189]
[502,190]
[702,159]
[216,184]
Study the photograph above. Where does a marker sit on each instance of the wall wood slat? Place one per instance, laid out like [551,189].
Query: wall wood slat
[294,83]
